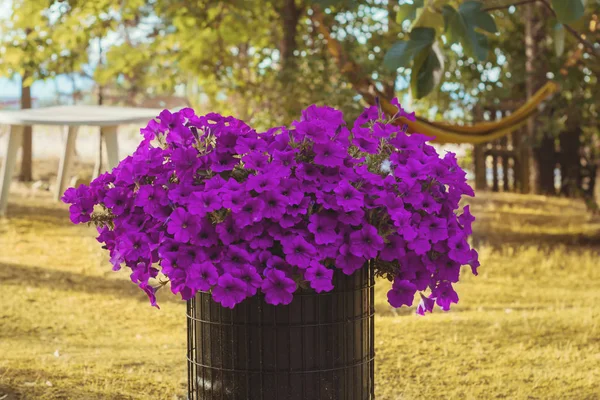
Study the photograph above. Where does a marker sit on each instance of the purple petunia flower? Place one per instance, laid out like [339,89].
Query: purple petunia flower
[250,213]
[202,276]
[229,291]
[277,287]
[182,225]
[202,203]
[298,252]
[329,154]
[348,197]
[444,295]
[252,279]
[319,277]
[402,293]
[366,242]
[323,227]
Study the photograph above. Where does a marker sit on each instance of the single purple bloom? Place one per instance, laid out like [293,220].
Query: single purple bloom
[366,242]
[420,245]
[433,228]
[401,293]
[474,261]
[298,252]
[234,200]
[323,227]
[395,248]
[425,305]
[412,171]
[234,258]
[348,262]
[290,190]
[466,219]
[202,203]
[448,270]
[353,217]
[444,295]
[256,160]
[348,197]
[251,144]
[150,292]
[186,161]
[274,204]
[207,235]
[250,277]
[261,183]
[182,225]
[229,291]
[459,249]
[222,161]
[116,200]
[250,213]
[319,277]
[227,231]
[329,154]
[202,276]
[307,172]
[277,287]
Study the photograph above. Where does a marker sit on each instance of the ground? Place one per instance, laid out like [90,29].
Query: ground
[528,327]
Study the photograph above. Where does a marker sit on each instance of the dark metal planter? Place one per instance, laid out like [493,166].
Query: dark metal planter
[319,347]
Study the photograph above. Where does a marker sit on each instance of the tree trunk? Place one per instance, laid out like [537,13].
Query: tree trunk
[570,163]
[27,153]
[479,167]
[290,15]
[596,185]
[545,161]
[533,34]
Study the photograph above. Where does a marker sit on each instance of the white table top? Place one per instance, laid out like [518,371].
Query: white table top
[79,115]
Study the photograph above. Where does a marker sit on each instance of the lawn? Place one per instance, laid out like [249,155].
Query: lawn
[528,327]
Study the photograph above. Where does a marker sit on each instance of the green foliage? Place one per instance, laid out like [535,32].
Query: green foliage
[559,39]
[408,11]
[402,53]
[427,67]
[568,11]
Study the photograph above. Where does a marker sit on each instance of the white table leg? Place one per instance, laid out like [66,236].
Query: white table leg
[109,134]
[66,160]
[15,141]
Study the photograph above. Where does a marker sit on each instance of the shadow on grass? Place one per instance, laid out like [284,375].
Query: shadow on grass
[33,276]
[44,211]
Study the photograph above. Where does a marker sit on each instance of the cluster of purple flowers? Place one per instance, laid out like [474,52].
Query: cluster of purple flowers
[216,206]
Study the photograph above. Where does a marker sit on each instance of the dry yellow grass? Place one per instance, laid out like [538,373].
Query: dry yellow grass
[526,328]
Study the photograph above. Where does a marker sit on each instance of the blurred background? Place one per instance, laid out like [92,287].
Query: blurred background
[477,73]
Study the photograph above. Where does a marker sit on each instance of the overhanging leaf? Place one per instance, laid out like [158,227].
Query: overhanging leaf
[475,16]
[568,11]
[460,27]
[408,11]
[424,73]
[559,39]
[402,53]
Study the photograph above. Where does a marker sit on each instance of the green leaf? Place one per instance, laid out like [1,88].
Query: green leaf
[454,25]
[402,53]
[568,11]
[424,71]
[474,15]
[408,11]
[461,25]
[559,39]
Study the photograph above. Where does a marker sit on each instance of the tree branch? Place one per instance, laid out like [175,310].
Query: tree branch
[505,6]
[586,43]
